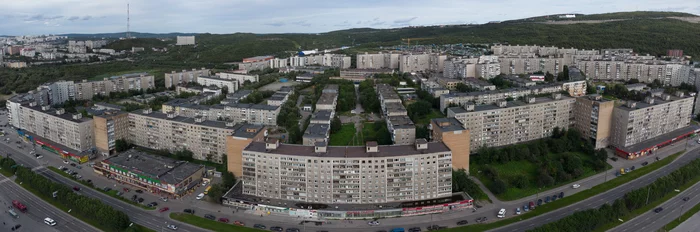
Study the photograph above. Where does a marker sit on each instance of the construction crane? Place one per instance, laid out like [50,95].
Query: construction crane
[414,39]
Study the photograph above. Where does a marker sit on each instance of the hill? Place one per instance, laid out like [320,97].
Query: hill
[117,35]
[146,43]
[606,16]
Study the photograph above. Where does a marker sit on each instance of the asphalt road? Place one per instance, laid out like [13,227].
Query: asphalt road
[672,209]
[600,199]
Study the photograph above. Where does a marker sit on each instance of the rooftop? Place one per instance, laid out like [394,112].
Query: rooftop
[327,98]
[657,101]
[65,115]
[216,78]
[401,122]
[237,96]
[109,106]
[322,115]
[448,124]
[159,168]
[186,120]
[348,152]
[510,104]
[394,107]
[131,75]
[246,130]
[317,130]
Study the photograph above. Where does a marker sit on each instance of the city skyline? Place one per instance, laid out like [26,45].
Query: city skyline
[222,17]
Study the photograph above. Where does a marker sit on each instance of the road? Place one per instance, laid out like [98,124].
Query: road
[672,209]
[691,224]
[600,199]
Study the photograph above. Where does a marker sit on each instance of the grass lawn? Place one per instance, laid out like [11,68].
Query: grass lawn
[369,133]
[112,193]
[568,200]
[513,169]
[210,224]
[344,137]
[673,224]
[426,120]
[149,71]
[6,172]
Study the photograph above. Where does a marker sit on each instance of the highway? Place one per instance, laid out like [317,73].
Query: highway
[600,199]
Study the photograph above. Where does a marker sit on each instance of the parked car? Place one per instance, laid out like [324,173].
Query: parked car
[209,216]
[373,223]
[126,190]
[72,164]
[200,196]
[164,199]
[152,204]
[64,161]
[547,199]
[76,188]
[526,208]
[259,226]
[539,202]
[276,228]
[433,227]
[190,211]
[238,223]
[164,209]
[517,211]
[627,170]
[632,168]
[576,186]
[172,227]
[292,230]
[78,167]
[224,220]
[645,163]
[140,200]
[532,205]
[462,222]
[554,198]
[561,195]
[657,210]
[107,189]
[139,191]
[414,229]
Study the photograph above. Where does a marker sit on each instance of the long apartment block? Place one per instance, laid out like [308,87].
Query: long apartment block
[259,114]
[157,130]
[185,76]
[490,97]
[85,89]
[70,130]
[510,122]
[347,175]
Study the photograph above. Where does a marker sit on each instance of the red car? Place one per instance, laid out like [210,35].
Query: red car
[76,188]
[238,223]
[532,205]
[126,190]
[224,220]
[164,209]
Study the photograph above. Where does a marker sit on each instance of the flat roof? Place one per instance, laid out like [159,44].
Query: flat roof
[237,96]
[348,152]
[448,124]
[394,106]
[636,85]
[217,78]
[52,112]
[657,101]
[327,98]
[251,106]
[476,81]
[660,139]
[324,115]
[510,104]
[129,75]
[108,105]
[246,130]
[186,120]
[317,130]
[401,122]
[162,168]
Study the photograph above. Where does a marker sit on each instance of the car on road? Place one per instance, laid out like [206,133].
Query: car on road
[152,204]
[259,226]
[686,198]
[414,229]
[126,190]
[140,200]
[164,209]
[210,217]
[433,227]
[200,196]
[645,163]
[49,221]
[373,223]
[657,210]
[224,220]
[172,227]
[517,211]
[38,156]
[576,186]
[526,208]
[164,199]
[276,228]
[632,168]
[190,211]
[78,167]
[292,230]
[462,222]
[554,197]
[627,170]
[76,188]
[397,230]
[139,191]
[238,223]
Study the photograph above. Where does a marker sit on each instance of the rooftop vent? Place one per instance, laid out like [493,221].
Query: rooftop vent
[272,144]
[77,116]
[44,108]
[171,114]
[60,111]
[530,100]
[556,96]
[666,97]
[631,104]
[421,144]
[32,104]
[372,146]
[147,111]
[199,119]
[680,93]
[649,100]
[502,104]
[469,106]
[320,147]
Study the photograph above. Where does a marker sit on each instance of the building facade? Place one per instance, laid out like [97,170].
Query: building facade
[70,130]
[86,90]
[176,78]
[593,118]
[110,126]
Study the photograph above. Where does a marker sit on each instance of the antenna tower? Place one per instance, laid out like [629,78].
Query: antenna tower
[128,33]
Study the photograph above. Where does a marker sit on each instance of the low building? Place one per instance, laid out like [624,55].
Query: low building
[86,90]
[185,40]
[519,82]
[257,59]
[448,83]
[479,84]
[237,96]
[241,78]
[361,74]
[305,77]
[394,109]
[636,87]
[216,91]
[155,174]
[327,101]
[316,133]
[402,129]
[575,88]
[231,85]
[322,117]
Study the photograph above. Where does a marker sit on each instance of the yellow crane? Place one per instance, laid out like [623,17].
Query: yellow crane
[408,40]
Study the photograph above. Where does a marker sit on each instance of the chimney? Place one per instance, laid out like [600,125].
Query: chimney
[649,100]
[171,114]
[77,116]
[421,144]
[556,96]
[60,111]
[320,147]
[502,103]
[372,147]
[272,144]
[469,107]
[530,100]
[631,104]
[44,108]
[147,111]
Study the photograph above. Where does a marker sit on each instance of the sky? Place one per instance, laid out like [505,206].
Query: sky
[36,17]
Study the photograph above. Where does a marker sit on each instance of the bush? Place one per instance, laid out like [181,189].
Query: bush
[498,186]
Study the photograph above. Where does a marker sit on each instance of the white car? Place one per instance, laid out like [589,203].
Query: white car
[576,186]
[200,196]
[205,183]
[65,161]
[172,227]
[49,221]
[164,199]
[373,223]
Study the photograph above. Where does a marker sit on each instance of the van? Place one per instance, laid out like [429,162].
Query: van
[13,213]
[502,213]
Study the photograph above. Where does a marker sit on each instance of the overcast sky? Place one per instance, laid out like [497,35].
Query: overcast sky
[33,17]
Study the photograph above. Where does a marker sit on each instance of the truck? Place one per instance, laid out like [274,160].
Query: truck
[19,206]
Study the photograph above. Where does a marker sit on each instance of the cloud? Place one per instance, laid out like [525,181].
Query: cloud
[358,22]
[73,18]
[404,21]
[344,24]
[375,19]
[41,18]
[378,23]
[276,24]
[302,23]
[87,17]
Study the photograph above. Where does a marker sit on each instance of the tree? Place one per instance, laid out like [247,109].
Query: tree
[548,77]
[419,109]
[121,145]
[498,187]
[336,124]
[590,89]
[216,193]
[520,181]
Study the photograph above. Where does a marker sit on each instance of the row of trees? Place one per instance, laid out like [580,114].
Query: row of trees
[462,183]
[92,209]
[346,97]
[559,159]
[289,118]
[368,97]
[8,164]
[419,109]
[593,219]
[257,96]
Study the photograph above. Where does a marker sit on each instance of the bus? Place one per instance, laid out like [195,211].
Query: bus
[206,191]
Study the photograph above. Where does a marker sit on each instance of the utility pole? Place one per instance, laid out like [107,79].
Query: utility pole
[680,213]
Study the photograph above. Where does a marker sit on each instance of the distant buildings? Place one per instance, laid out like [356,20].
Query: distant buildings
[175,78]
[185,40]
[378,61]
[85,89]
[231,85]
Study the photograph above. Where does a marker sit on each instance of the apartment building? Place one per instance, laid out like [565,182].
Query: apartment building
[448,83]
[237,96]
[243,135]
[61,91]
[479,84]
[212,89]
[636,122]
[490,97]
[646,71]
[252,66]
[322,117]
[347,175]
[110,126]
[156,174]
[231,85]
[69,130]
[422,62]
[575,88]
[361,74]
[316,133]
[85,90]
[157,130]
[185,76]
[519,82]
[402,129]
[510,122]
[185,40]
[281,96]
[593,118]
[258,114]
[485,67]
[378,60]
[452,133]
[327,101]
[241,78]
[279,63]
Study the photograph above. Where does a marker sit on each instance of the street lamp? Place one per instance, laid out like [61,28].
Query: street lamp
[680,213]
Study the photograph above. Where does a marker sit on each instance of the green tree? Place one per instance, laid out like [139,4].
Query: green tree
[520,181]
[121,145]
[498,187]
[336,124]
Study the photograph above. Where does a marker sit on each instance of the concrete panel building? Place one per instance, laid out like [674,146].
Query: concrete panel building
[69,130]
[402,129]
[347,175]
[185,40]
[110,126]
[452,133]
[378,61]
[176,78]
[85,89]
[593,118]
[241,78]
[243,135]
[316,133]
[490,97]
[231,85]
[506,123]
